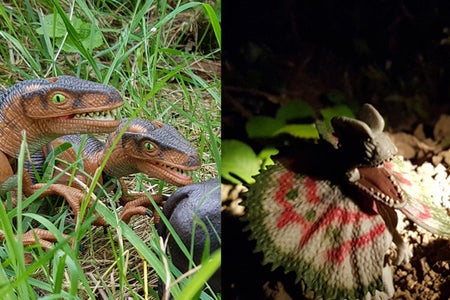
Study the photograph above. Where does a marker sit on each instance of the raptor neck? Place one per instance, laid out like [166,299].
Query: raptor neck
[118,164]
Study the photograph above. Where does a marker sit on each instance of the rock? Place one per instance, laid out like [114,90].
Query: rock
[441,130]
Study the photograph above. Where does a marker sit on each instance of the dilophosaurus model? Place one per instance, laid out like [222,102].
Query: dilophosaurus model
[45,109]
[326,212]
[153,148]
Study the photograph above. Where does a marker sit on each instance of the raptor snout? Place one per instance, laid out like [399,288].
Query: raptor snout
[194,160]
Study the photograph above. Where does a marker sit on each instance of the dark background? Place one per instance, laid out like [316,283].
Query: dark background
[393,54]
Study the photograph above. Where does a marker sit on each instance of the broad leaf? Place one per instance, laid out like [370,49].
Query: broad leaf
[306,131]
[239,162]
[263,127]
[295,110]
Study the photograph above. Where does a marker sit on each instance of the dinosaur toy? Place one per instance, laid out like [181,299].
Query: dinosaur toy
[186,209]
[46,109]
[388,180]
[327,213]
[153,148]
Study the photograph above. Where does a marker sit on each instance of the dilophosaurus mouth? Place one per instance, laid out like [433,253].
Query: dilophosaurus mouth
[380,184]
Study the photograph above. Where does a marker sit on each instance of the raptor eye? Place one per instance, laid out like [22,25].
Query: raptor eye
[149,146]
[58,98]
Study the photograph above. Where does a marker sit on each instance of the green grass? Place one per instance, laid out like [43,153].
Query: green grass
[160,57]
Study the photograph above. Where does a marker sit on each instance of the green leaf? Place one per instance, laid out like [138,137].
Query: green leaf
[74,38]
[326,132]
[55,26]
[238,161]
[266,157]
[214,18]
[295,110]
[4,281]
[338,110]
[305,131]
[93,38]
[89,36]
[84,30]
[263,127]
[198,280]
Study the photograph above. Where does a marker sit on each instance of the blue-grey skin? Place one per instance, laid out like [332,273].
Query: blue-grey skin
[198,200]
[174,151]
[85,107]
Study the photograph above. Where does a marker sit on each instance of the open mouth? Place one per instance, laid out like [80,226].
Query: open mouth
[381,185]
[107,115]
[175,171]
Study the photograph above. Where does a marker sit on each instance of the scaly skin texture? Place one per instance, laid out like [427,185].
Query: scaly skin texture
[31,106]
[310,227]
[326,214]
[46,109]
[186,209]
[326,211]
[153,148]
[387,178]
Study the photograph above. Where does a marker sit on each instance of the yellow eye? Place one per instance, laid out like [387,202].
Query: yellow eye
[58,98]
[149,146]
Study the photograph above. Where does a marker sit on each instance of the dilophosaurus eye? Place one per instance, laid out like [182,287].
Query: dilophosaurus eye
[149,146]
[58,98]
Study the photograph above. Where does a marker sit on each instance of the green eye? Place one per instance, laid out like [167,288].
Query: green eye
[149,146]
[58,98]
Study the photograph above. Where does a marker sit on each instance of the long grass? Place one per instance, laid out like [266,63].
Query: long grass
[163,58]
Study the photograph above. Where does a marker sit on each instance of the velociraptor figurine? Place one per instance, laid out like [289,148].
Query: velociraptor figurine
[153,148]
[46,109]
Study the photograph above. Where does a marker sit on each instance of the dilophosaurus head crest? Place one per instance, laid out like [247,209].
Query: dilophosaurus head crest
[362,140]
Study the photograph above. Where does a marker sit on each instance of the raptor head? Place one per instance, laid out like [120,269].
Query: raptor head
[48,108]
[72,105]
[157,150]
